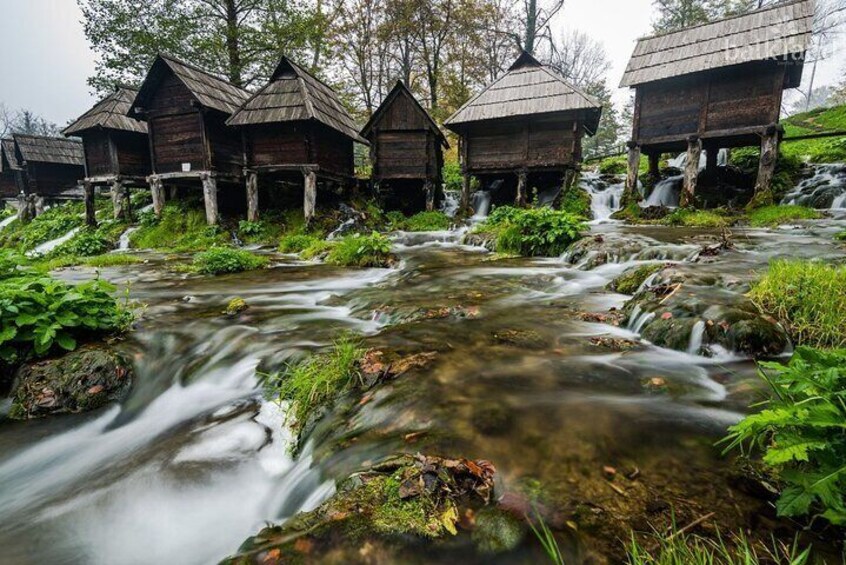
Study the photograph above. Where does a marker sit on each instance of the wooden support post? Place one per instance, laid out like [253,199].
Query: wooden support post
[711,154]
[210,198]
[465,192]
[158,193]
[252,197]
[429,189]
[691,172]
[120,201]
[654,167]
[522,181]
[310,198]
[25,211]
[766,167]
[90,210]
[38,205]
[631,192]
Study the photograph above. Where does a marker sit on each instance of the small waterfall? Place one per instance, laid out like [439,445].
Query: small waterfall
[481,203]
[450,204]
[605,198]
[697,336]
[666,193]
[49,246]
[342,229]
[8,221]
[825,189]
[680,162]
[639,319]
[123,242]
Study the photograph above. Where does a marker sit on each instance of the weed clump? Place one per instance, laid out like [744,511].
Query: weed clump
[770,216]
[221,260]
[696,219]
[372,250]
[532,232]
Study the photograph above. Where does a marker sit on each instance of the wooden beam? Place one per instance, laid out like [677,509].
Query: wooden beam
[767,165]
[691,172]
[158,193]
[90,210]
[310,195]
[252,197]
[631,193]
[522,182]
[210,199]
[119,199]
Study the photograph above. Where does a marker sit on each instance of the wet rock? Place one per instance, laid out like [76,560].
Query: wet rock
[379,365]
[524,339]
[235,307]
[83,380]
[485,240]
[394,502]
[497,531]
[614,343]
[631,280]
[592,252]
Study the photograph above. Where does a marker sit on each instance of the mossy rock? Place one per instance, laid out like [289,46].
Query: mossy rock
[497,531]
[81,381]
[631,280]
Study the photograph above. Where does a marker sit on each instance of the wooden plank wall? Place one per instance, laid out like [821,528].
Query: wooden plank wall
[277,144]
[226,146]
[48,179]
[403,154]
[331,151]
[8,185]
[133,153]
[176,128]
[536,143]
[98,156]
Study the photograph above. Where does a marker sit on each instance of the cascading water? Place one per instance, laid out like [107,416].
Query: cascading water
[123,242]
[451,203]
[665,193]
[49,246]
[605,198]
[5,223]
[826,189]
[481,203]
[680,161]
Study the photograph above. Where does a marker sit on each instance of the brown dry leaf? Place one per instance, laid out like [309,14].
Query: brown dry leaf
[304,545]
[96,389]
[372,362]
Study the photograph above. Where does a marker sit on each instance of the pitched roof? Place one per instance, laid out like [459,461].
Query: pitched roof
[294,94]
[111,112]
[400,89]
[528,88]
[8,155]
[56,150]
[775,31]
[207,89]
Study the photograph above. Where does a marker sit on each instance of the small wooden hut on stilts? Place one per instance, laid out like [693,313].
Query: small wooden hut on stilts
[11,180]
[186,109]
[50,169]
[294,128]
[716,85]
[117,151]
[406,146]
[529,121]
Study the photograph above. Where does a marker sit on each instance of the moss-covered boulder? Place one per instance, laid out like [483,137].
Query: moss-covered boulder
[384,509]
[83,380]
[631,280]
[591,252]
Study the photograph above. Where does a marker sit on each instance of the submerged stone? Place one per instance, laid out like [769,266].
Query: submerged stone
[83,380]
[497,531]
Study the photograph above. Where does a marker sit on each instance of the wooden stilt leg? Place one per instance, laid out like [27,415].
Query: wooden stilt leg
[465,192]
[310,199]
[25,211]
[38,204]
[691,172]
[210,198]
[90,211]
[767,166]
[522,181]
[252,197]
[118,199]
[429,189]
[631,192]
[157,191]
[654,167]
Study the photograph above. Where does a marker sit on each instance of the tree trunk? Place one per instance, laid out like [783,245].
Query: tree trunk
[252,197]
[233,47]
[691,172]
[310,199]
[210,198]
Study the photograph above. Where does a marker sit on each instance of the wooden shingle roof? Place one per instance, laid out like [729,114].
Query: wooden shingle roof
[775,31]
[401,90]
[294,94]
[8,157]
[110,113]
[528,88]
[55,150]
[207,89]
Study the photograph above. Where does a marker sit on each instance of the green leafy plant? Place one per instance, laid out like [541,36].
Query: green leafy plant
[801,433]
[533,232]
[220,260]
[296,243]
[770,216]
[86,243]
[181,228]
[421,222]
[38,314]
[372,250]
[808,298]
[316,380]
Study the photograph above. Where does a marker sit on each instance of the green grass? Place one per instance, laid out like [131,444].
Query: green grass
[807,298]
[372,250]
[52,224]
[222,260]
[181,228]
[317,380]
[577,202]
[771,216]
[840,236]
[696,219]
[619,165]
[832,150]
[421,222]
[97,261]
[297,242]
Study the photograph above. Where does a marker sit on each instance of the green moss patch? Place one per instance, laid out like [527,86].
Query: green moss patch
[630,281]
[422,222]
[696,218]
[770,216]
[182,228]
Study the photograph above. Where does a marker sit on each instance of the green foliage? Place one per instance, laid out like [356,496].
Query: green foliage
[840,236]
[297,242]
[619,165]
[695,218]
[787,174]
[807,298]
[770,216]
[86,243]
[422,222]
[830,150]
[182,228]
[10,261]
[250,229]
[453,180]
[532,232]
[267,231]
[39,314]
[372,250]
[50,225]
[314,382]
[220,260]
[801,433]
[577,202]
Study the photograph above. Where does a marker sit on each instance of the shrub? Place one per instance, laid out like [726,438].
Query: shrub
[422,222]
[38,314]
[695,219]
[250,229]
[317,248]
[9,262]
[220,260]
[296,243]
[315,381]
[533,232]
[801,433]
[86,243]
[372,250]
[453,180]
[808,299]
[775,215]
[576,201]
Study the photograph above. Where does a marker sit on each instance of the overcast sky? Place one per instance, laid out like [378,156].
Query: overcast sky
[46,58]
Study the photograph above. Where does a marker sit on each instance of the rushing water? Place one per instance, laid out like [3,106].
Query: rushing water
[605,197]
[49,246]
[195,460]
[825,189]
[666,192]
[480,201]
[8,221]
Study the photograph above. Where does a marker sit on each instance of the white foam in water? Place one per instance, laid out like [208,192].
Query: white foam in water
[666,193]
[451,202]
[481,203]
[605,199]
[8,221]
[697,336]
[49,246]
[123,242]
[827,185]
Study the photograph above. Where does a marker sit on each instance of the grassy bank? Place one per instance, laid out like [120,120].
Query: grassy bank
[832,150]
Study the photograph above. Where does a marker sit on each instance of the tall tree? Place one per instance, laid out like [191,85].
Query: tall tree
[26,122]
[536,16]
[678,14]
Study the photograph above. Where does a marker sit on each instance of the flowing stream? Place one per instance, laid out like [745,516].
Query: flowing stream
[8,221]
[195,459]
